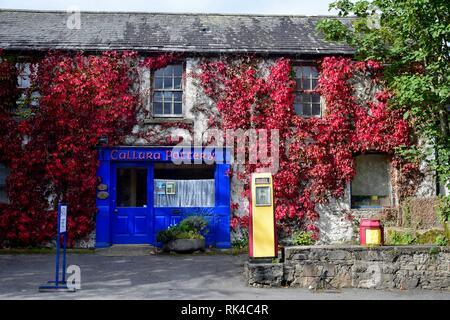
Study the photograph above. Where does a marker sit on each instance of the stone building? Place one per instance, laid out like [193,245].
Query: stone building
[144,192]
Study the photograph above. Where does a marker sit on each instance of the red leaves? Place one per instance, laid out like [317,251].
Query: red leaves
[320,160]
[161,61]
[83,97]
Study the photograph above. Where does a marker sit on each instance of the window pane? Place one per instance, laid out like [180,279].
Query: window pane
[306,98]
[306,71]
[298,109]
[316,109]
[177,96]
[24,77]
[131,187]
[306,109]
[298,72]
[177,109]
[178,70]
[157,108]
[168,83]
[35,96]
[314,72]
[167,108]
[158,83]
[168,96]
[168,71]
[184,193]
[372,181]
[157,96]
[315,98]
[159,72]
[298,84]
[177,83]
[315,82]
[306,84]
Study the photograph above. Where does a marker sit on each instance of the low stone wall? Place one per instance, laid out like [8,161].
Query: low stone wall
[386,267]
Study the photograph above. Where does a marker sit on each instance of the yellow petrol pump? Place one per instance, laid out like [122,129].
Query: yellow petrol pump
[262,230]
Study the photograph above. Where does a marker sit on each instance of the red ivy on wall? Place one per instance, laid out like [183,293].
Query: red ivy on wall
[316,154]
[83,98]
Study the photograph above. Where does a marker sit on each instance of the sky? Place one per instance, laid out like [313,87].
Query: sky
[297,7]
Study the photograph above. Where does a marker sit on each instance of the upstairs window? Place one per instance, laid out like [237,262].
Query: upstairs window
[307,102]
[24,75]
[26,98]
[168,91]
[371,187]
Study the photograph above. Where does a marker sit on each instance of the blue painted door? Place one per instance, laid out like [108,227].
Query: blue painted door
[132,203]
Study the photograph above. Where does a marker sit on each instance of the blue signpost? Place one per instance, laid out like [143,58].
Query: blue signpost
[59,284]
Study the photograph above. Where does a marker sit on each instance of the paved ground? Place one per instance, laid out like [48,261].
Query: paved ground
[162,277]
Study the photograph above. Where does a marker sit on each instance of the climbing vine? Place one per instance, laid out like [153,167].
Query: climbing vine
[316,154]
[82,98]
[52,153]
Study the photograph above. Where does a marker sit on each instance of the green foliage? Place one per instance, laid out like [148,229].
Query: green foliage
[400,238]
[241,243]
[411,38]
[443,209]
[302,238]
[194,223]
[409,236]
[441,241]
[192,227]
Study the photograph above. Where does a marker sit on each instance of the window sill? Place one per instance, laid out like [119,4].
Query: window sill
[168,120]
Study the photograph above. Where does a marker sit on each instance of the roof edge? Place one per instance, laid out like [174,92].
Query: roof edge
[177,13]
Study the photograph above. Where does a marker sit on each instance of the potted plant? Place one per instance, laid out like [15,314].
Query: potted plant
[186,236]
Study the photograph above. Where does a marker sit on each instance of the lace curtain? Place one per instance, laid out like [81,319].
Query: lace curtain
[184,193]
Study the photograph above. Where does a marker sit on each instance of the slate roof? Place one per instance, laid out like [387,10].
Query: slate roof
[215,33]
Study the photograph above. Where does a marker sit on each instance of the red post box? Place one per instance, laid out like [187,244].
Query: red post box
[371,232]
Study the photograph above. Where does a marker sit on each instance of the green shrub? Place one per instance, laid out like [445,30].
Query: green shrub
[443,209]
[302,238]
[189,235]
[441,241]
[240,243]
[167,235]
[194,223]
[189,228]
[401,238]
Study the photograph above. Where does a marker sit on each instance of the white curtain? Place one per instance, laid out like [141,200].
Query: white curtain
[188,193]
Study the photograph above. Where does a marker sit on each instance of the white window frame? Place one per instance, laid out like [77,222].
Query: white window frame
[308,92]
[171,90]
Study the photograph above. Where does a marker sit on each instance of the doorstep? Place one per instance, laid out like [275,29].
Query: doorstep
[127,250]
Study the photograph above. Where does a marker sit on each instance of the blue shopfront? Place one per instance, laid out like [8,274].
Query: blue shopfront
[143,190]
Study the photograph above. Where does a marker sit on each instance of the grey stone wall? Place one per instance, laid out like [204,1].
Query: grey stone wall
[399,267]
[333,224]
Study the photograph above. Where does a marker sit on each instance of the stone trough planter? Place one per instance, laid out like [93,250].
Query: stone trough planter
[185,245]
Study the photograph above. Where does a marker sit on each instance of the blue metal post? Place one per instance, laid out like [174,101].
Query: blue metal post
[63,279]
[58,246]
